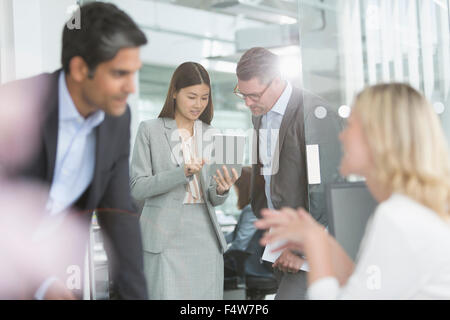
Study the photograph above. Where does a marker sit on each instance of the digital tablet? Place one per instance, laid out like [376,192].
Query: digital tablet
[228,150]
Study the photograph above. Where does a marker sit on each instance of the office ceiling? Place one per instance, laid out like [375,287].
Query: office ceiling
[268,11]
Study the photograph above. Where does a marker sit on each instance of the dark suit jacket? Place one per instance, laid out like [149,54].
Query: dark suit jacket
[289,186]
[108,192]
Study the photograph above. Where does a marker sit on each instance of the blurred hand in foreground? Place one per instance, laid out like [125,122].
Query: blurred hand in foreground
[296,227]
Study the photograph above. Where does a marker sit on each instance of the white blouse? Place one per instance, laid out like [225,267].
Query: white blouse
[405,254]
[189,148]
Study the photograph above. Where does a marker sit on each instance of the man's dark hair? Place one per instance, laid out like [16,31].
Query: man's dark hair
[105,29]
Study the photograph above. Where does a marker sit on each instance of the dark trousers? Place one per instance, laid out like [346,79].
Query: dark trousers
[291,286]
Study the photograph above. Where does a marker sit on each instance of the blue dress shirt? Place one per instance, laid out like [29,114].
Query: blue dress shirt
[75,153]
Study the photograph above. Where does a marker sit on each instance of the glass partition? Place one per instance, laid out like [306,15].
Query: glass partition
[355,43]
[214,33]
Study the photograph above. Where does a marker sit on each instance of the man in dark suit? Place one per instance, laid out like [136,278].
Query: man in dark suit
[279,176]
[84,148]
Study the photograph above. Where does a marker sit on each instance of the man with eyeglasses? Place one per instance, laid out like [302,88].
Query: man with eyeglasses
[279,177]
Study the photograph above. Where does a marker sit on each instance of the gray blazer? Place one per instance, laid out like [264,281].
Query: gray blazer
[157,178]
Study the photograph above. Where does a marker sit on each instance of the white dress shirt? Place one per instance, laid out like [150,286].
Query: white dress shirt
[189,147]
[405,254]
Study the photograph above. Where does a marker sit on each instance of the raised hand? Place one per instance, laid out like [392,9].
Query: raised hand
[224,182]
[293,226]
[193,168]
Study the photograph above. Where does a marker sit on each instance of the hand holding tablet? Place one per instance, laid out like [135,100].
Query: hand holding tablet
[225,181]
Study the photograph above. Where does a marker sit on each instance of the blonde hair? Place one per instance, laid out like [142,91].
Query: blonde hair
[407,142]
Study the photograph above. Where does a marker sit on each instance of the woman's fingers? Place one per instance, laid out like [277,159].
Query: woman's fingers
[305,216]
[194,167]
[289,212]
[226,175]
[219,175]
[198,165]
[282,247]
[291,239]
[235,174]
[270,238]
[274,235]
[219,182]
[282,226]
[270,220]
[269,212]
[286,224]
[222,180]
[229,181]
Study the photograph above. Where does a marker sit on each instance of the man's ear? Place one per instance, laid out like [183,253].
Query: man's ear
[79,70]
[277,80]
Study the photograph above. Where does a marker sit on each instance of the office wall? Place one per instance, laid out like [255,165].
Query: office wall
[7,55]
[363,42]
[30,36]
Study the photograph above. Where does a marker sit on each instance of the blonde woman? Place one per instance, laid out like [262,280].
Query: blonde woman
[393,139]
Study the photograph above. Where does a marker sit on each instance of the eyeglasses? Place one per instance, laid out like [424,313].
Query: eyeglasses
[255,97]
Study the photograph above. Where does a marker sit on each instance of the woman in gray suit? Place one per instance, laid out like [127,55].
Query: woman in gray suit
[182,240]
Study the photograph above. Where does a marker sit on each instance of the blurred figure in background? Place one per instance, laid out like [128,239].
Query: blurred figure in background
[83,148]
[245,237]
[394,139]
[245,228]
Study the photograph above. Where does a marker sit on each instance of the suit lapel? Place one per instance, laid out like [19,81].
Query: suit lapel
[173,139]
[50,130]
[101,152]
[286,122]
[199,143]
[256,125]
[288,117]
[202,145]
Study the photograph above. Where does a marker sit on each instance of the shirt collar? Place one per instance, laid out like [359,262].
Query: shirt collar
[67,109]
[195,127]
[282,102]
